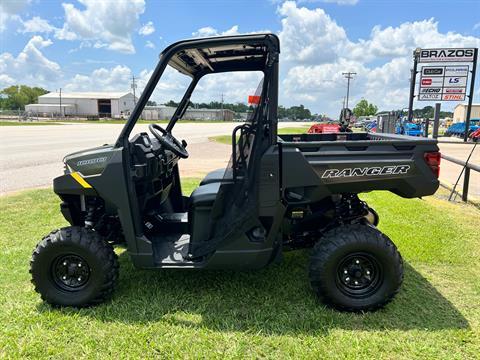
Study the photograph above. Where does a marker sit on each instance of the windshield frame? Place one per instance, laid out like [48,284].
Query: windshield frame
[269,40]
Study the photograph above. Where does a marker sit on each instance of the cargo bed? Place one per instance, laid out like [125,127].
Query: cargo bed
[322,164]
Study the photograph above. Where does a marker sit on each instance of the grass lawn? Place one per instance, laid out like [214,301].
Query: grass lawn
[25,123]
[227,139]
[270,313]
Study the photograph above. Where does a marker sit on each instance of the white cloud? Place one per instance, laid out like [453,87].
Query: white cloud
[235,87]
[9,10]
[309,36]
[6,81]
[39,25]
[147,29]
[117,78]
[338,2]
[149,44]
[30,66]
[314,48]
[210,31]
[103,22]
[36,25]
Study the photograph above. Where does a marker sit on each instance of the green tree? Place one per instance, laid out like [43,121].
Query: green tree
[364,108]
[17,96]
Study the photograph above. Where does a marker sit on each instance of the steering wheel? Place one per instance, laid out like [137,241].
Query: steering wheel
[168,141]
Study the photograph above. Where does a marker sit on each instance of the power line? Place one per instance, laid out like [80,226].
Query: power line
[348,76]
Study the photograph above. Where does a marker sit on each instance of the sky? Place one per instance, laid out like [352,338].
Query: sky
[89,45]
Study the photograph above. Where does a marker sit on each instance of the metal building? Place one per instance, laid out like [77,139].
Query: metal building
[101,104]
[460,112]
[163,112]
[159,112]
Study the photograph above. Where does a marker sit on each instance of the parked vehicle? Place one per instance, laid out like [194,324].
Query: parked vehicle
[371,126]
[458,129]
[324,129]
[278,193]
[408,128]
[475,135]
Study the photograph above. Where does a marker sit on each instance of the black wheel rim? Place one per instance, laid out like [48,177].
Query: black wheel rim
[359,275]
[70,272]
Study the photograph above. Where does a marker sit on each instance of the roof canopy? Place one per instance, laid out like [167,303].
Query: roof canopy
[221,54]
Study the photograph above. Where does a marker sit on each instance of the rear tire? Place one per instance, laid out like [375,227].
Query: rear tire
[356,268]
[74,266]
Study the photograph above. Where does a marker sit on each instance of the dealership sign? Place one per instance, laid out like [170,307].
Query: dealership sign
[447,83]
[446,55]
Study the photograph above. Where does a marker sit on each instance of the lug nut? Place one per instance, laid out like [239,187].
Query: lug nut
[357,262]
[345,271]
[356,282]
[347,279]
[367,272]
[64,263]
[79,264]
[79,279]
[64,277]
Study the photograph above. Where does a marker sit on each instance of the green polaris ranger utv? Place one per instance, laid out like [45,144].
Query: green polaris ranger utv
[278,193]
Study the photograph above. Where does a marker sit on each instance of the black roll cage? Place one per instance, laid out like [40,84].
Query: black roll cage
[271,43]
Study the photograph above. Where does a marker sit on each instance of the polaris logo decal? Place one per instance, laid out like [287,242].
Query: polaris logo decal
[92,161]
[366,171]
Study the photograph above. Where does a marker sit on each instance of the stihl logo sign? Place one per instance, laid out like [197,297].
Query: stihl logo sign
[366,171]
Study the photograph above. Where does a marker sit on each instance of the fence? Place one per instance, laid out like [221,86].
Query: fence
[466,168]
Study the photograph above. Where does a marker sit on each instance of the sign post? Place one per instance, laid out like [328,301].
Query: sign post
[436,120]
[413,76]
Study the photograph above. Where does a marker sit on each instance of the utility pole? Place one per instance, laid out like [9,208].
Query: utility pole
[223,113]
[134,86]
[348,76]
[60,102]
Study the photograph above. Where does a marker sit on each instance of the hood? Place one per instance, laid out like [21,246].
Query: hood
[90,161]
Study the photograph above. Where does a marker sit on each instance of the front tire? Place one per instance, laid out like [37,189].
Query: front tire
[74,266]
[356,268]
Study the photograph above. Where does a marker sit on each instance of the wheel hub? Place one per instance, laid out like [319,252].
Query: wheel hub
[358,275]
[70,272]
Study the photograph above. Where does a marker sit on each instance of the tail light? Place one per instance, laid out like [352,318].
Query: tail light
[433,161]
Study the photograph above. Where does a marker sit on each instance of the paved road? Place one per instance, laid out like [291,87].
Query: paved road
[31,156]
[449,172]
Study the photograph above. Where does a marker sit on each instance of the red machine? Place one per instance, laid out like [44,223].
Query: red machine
[324,129]
[475,136]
